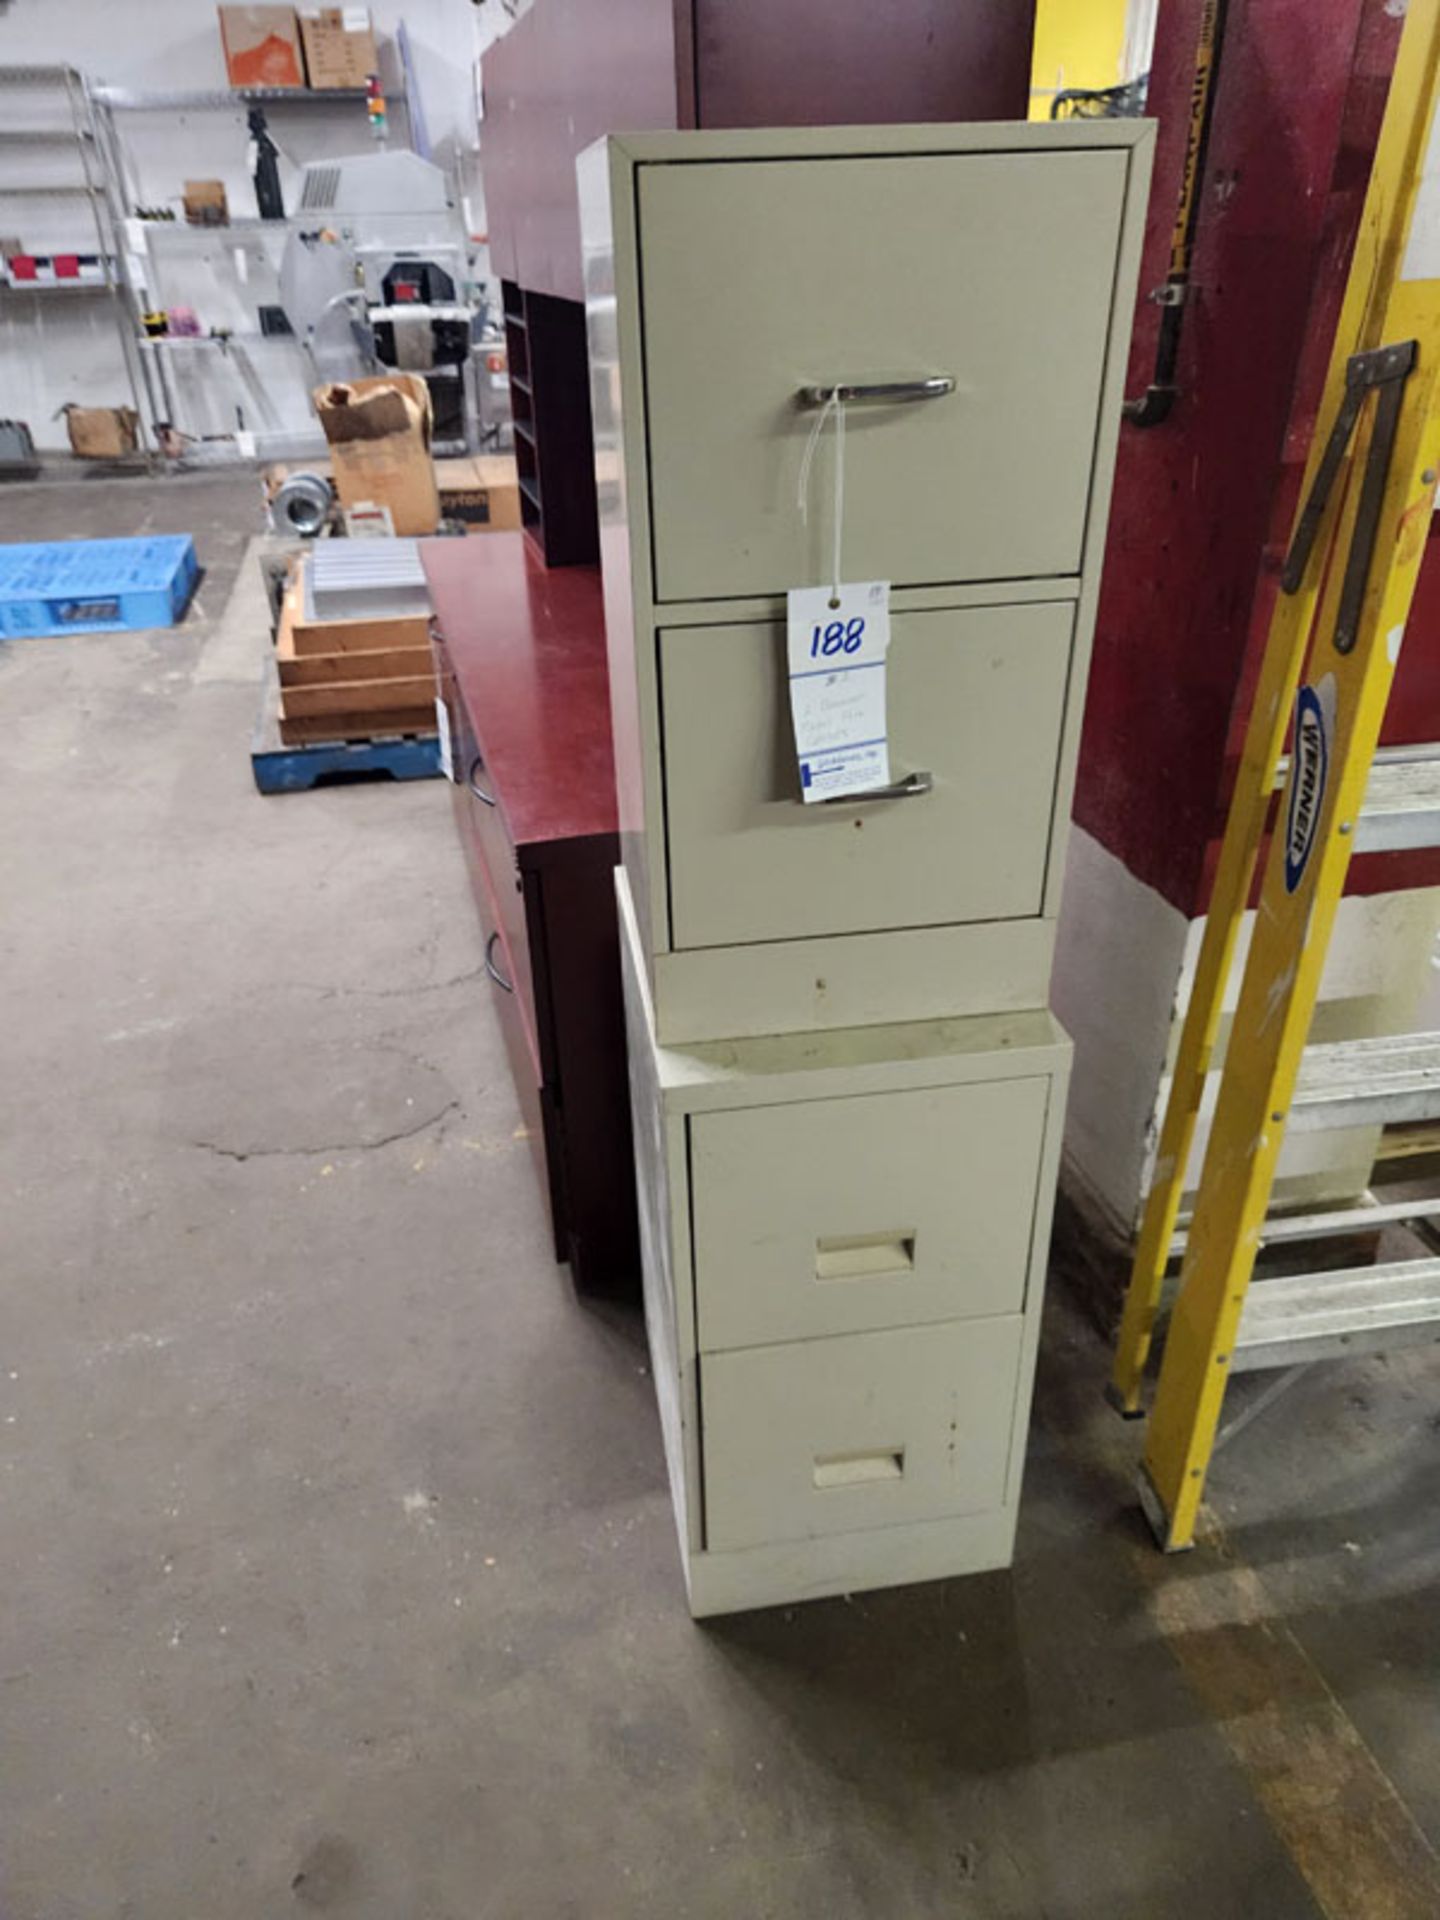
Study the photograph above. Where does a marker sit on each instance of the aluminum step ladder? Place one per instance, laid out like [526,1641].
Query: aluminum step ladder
[1368,497]
[1345,1311]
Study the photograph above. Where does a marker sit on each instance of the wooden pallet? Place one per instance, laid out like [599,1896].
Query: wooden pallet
[379,751]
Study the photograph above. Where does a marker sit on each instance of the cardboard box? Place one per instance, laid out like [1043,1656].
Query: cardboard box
[482,494]
[205,203]
[262,46]
[339,46]
[379,435]
[102,433]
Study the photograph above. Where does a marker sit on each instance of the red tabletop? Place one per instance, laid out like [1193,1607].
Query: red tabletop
[527,643]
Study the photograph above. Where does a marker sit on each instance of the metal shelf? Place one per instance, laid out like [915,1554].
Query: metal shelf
[24,190]
[237,223]
[165,99]
[35,76]
[47,287]
[43,136]
[151,340]
[99,185]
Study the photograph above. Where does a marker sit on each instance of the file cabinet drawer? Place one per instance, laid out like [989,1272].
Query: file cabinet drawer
[883,1210]
[868,1430]
[760,277]
[975,698]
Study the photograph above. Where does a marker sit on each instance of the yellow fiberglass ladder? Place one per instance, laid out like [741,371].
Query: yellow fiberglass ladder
[1349,579]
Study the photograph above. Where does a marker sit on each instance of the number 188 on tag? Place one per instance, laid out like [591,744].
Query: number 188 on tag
[836,642]
[837,637]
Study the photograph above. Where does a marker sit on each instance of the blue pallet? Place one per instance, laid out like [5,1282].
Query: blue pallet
[279,768]
[95,586]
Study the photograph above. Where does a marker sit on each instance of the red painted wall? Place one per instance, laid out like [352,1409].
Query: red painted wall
[1198,499]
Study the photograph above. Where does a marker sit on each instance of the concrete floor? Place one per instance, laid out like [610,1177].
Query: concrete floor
[339,1571]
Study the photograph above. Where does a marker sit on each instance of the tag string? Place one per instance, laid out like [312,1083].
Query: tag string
[835,404]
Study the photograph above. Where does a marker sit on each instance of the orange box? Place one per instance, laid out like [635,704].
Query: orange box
[262,46]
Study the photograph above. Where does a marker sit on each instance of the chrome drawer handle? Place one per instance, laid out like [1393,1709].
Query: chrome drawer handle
[913,783]
[479,792]
[932,386]
[506,986]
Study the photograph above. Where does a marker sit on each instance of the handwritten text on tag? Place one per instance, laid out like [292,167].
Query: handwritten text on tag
[836,655]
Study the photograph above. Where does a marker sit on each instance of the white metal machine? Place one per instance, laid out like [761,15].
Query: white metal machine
[374,275]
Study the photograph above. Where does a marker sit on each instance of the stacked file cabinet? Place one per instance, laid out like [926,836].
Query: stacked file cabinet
[847,1085]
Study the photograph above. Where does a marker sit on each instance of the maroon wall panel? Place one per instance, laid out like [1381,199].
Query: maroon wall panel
[567,73]
[774,63]
[573,70]
[1195,497]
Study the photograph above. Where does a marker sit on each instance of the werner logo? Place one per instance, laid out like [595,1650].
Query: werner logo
[1314,725]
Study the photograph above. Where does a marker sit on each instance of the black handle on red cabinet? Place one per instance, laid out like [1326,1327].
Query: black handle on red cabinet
[494,972]
[479,792]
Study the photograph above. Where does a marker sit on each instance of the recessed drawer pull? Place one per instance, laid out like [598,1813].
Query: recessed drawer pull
[479,792]
[913,783]
[859,1469]
[933,386]
[507,986]
[865,1256]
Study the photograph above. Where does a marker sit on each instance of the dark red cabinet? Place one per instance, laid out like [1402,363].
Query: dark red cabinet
[573,70]
[520,660]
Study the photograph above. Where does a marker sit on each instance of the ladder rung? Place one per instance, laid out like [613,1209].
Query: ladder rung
[1356,1083]
[1402,799]
[1402,805]
[1334,1222]
[1324,1316]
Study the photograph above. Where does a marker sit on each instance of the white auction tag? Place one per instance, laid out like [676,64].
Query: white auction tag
[447,746]
[837,641]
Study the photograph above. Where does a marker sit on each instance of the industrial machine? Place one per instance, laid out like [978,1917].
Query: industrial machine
[374,274]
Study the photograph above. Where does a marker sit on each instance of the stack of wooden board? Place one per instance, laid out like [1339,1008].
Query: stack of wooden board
[354,678]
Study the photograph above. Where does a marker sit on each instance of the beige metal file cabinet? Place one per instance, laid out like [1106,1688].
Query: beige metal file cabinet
[990,272]
[846,1086]
[844,1245]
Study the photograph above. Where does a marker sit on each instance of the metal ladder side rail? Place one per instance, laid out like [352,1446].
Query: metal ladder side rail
[1379,245]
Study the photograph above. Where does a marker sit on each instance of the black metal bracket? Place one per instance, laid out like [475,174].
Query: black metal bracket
[1383,370]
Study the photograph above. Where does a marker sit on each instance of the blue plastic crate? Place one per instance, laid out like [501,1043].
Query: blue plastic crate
[95,586]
